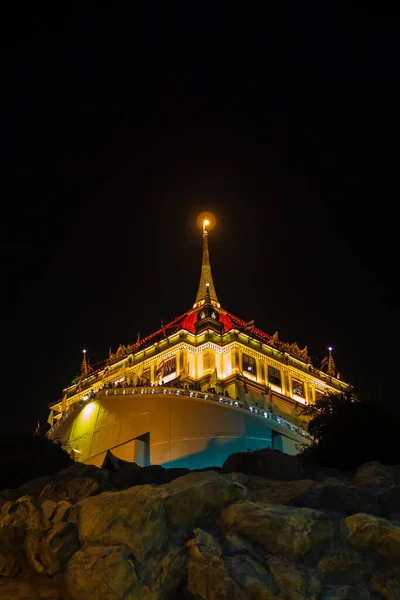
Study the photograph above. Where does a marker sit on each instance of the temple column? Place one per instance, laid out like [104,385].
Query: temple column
[283,382]
[152,372]
[306,391]
[260,371]
[266,375]
[234,359]
[290,383]
[313,394]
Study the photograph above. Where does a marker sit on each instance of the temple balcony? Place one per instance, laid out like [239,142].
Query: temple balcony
[278,424]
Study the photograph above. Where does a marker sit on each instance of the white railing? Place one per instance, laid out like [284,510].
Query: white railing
[221,399]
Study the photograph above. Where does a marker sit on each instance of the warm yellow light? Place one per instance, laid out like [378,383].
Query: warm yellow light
[206,219]
[88,410]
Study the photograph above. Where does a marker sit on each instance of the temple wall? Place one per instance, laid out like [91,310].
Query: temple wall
[183,431]
[285,444]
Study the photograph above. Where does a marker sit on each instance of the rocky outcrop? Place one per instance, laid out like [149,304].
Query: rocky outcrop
[198,498]
[274,464]
[204,535]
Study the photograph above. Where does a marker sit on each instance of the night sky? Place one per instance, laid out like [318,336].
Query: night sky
[119,128]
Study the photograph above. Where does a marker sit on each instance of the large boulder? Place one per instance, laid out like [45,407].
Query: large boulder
[251,579]
[54,512]
[9,495]
[101,572]
[280,529]
[72,490]
[130,474]
[136,518]
[199,497]
[341,563]
[33,587]
[233,544]
[78,470]
[112,573]
[374,472]
[271,491]
[295,581]
[57,547]
[20,530]
[213,575]
[349,592]
[386,581]
[27,535]
[31,488]
[34,486]
[75,483]
[372,534]
[338,499]
[390,503]
[265,463]
[10,561]
[335,497]
[207,572]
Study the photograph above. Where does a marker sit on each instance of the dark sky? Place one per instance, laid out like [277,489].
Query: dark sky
[119,128]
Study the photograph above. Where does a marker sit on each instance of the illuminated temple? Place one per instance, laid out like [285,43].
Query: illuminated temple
[200,388]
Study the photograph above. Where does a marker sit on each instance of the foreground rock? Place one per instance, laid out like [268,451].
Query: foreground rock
[234,535]
[198,498]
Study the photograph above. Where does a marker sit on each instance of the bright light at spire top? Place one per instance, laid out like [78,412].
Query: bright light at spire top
[206,221]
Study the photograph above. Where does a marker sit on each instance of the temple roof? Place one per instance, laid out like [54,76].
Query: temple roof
[207,294]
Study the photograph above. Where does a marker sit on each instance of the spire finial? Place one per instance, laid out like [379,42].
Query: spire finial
[206,280]
[208,297]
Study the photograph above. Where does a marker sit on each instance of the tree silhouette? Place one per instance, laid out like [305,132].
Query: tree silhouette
[27,457]
[348,431]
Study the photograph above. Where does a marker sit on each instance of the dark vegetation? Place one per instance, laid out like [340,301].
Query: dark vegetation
[348,431]
[28,457]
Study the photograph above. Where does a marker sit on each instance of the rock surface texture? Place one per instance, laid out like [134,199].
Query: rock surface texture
[262,529]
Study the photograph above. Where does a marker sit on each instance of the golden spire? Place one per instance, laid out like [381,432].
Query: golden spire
[206,280]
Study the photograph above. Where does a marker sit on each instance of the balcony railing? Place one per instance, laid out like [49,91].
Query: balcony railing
[166,390]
